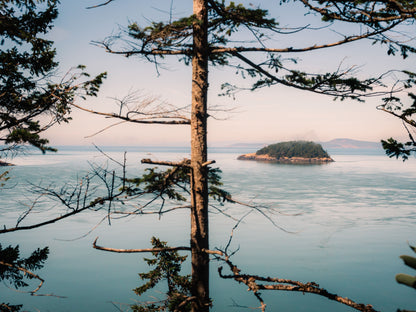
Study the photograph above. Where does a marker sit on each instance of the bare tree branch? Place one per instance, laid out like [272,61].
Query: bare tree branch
[403,117]
[105,129]
[347,39]
[318,88]
[155,52]
[140,211]
[78,199]
[183,163]
[34,226]
[285,285]
[100,5]
[183,121]
[95,246]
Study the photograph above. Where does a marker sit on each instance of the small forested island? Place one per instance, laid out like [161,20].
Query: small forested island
[298,152]
[4,164]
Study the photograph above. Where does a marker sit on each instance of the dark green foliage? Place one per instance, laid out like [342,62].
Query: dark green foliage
[377,15]
[214,190]
[6,307]
[227,20]
[20,99]
[224,20]
[407,279]
[394,106]
[31,102]
[13,275]
[11,265]
[396,149]
[174,184]
[160,35]
[333,82]
[378,21]
[169,183]
[294,149]
[167,267]
[272,65]
[27,65]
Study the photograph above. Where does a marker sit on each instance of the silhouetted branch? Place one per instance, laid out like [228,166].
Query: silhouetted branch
[146,53]
[105,129]
[139,211]
[100,5]
[252,281]
[385,11]
[259,209]
[143,120]
[51,221]
[75,199]
[334,85]
[87,194]
[403,117]
[347,39]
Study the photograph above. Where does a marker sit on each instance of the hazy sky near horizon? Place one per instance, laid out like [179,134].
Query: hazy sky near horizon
[265,116]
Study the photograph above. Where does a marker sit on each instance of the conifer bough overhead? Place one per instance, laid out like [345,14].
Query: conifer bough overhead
[32,99]
[379,20]
[29,90]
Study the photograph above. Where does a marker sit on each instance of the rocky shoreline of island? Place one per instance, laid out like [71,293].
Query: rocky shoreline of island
[5,164]
[291,160]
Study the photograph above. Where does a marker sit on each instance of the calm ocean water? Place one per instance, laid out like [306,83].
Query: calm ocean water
[356,216]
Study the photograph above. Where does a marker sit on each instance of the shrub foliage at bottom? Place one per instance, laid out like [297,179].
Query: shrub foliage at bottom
[167,266]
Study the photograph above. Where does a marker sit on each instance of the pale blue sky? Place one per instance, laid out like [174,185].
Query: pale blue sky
[265,116]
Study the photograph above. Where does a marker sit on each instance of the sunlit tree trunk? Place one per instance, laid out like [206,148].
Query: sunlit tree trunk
[199,181]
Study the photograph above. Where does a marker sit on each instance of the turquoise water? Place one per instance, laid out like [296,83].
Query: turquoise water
[355,218]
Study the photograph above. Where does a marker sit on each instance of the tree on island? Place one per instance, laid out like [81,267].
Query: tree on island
[209,36]
[294,149]
[290,149]
[31,101]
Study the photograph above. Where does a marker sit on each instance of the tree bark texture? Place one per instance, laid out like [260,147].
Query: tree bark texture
[199,175]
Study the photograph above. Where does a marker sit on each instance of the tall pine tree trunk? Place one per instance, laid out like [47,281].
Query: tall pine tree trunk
[199,181]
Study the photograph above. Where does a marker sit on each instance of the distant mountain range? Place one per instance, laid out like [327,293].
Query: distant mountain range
[350,144]
[336,145]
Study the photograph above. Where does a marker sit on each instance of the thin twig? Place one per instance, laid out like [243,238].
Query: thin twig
[100,5]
